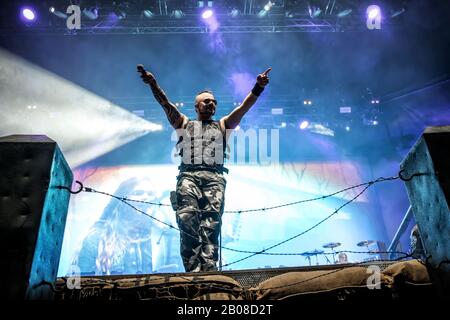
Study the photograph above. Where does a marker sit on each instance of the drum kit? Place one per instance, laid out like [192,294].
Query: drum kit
[373,253]
[342,256]
[309,254]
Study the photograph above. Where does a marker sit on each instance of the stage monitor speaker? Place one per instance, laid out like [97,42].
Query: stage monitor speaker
[32,215]
[429,195]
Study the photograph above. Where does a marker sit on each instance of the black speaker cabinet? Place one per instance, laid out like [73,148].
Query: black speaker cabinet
[32,215]
[429,195]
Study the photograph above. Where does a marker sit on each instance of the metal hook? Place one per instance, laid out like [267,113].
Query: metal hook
[410,178]
[70,190]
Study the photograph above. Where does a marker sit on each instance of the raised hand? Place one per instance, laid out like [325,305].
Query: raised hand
[146,76]
[263,78]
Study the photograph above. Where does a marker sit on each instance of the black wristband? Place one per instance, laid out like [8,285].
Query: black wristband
[257,89]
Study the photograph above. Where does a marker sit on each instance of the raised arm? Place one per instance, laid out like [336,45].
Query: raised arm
[232,120]
[175,117]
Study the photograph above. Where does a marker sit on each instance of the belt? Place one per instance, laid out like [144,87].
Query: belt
[190,168]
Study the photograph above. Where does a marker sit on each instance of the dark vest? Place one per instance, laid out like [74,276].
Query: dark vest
[202,146]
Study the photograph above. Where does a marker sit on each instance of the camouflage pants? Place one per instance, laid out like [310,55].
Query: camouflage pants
[200,202]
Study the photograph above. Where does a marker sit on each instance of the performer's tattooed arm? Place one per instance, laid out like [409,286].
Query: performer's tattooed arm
[175,117]
[233,119]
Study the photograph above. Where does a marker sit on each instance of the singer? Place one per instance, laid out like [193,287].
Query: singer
[200,188]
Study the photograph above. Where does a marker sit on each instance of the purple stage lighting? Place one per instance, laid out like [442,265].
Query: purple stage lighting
[28,14]
[207,14]
[303,125]
[374,12]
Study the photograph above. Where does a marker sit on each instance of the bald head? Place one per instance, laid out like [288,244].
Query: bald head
[205,105]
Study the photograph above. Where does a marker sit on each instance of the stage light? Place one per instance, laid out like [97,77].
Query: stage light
[148,14]
[181,104]
[207,14]
[283,124]
[289,14]
[237,128]
[234,12]
[397,12]
[119,10]
[177,14]
[57,13]
[314,12]
[305,102]
[304,124]
[28,14]
[344,13]
[262,13]
[374,12]
[84,124]
[347,128]
[268,6]
[91,14]
[309,102]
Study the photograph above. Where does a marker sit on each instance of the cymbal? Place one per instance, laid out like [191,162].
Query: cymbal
[312,253]
[365,243]
[331,245]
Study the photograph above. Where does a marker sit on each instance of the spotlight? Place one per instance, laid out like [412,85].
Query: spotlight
[309,102]
[234,12]
[28,14]
[374,12]
[262,13]
[268,6]
[347,128]
[397,12]
[289,14]
[120,14]
[178,14]
[283,124]
[208,13]
[92,13]
[314,12]
[119,11]
[344,13]
[303,125]
[57,13]
[148,14]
